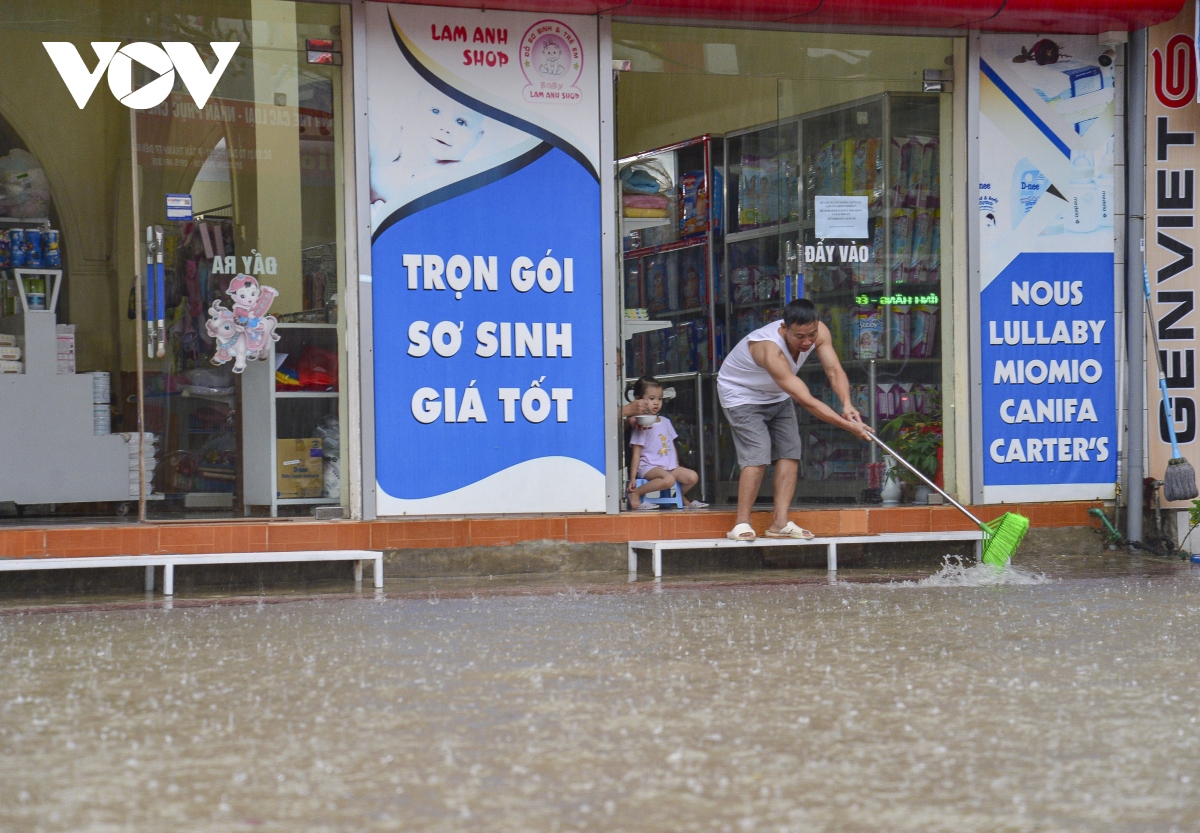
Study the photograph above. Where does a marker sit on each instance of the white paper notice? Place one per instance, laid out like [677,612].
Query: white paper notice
[842,218]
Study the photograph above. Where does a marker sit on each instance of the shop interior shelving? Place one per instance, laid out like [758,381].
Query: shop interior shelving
[271,414]
[883,148]
[54,454]
[669,267]
[746,254]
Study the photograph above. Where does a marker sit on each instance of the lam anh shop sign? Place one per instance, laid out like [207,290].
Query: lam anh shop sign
[1047,341]
[486,284]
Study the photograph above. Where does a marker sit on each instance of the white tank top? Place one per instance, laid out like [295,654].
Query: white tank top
[742,381]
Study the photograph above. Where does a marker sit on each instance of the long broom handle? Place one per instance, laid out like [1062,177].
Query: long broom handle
[1158,362]
[928,482]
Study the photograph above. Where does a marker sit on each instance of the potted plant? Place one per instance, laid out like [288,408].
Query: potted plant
[917,438]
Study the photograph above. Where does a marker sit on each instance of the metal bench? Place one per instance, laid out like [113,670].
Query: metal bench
[657,548]
[170,562]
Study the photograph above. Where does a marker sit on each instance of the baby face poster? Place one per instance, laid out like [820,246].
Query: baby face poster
[486,261]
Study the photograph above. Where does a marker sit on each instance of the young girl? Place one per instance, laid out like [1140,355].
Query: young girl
[654,458]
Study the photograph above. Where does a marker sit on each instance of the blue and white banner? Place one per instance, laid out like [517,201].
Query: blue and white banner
[1046,203]
[486,260]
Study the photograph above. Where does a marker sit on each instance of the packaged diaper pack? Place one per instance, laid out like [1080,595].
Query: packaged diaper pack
[839,321]
[760,186]
[744,279]
[917,269]
[633,289]
[766,285]
[899,338]
[693,204]
[656,284]
[871,272]
[864,168]
[868,333]
[887,401]
[860,398]
[933,265]
[914,176]
[902,238]
[745,323]
[924,331]
[693,284]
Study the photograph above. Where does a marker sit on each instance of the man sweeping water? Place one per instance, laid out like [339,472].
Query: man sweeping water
[757,385]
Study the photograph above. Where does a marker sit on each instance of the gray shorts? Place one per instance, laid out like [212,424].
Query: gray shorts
[763,434]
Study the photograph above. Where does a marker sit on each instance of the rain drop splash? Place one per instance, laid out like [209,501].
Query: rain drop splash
[956,572]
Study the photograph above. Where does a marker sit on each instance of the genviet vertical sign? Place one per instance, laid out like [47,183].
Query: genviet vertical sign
[1046,215]
[486,237]
[1172,124]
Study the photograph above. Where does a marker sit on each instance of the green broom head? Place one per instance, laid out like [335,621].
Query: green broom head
[1179,483]
[1002,536]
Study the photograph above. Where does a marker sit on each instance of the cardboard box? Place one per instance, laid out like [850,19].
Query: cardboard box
[299,469]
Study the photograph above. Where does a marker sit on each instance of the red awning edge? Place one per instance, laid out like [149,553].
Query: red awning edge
[1082,17]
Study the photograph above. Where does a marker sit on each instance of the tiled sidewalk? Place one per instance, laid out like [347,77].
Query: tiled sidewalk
[255,536]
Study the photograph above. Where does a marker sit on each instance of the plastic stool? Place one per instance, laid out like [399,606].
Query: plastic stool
[673,497]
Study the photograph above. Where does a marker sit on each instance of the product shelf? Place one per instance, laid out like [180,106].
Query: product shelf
[272,417]
[770,302]
[760,232]
[629,224]
[674,246]
[636,326]
[689,311]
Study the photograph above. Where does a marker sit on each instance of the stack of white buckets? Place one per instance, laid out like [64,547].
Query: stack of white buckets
[101,398]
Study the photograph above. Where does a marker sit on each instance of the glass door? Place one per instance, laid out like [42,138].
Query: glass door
[877,286]
[241,262]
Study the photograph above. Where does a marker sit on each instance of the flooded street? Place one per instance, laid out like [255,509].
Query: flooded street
[1065,697]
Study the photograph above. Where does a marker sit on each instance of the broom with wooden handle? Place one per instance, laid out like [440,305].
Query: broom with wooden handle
[1179,482]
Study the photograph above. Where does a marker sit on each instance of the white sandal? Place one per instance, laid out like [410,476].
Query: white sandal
[741,532]
[790,530]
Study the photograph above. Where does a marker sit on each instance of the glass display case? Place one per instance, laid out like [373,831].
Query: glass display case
[720,232]
[879,294]
[671,203]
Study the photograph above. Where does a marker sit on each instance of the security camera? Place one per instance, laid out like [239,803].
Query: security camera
[1107,57]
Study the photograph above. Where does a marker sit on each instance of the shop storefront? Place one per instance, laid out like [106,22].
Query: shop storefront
[753,164]
[826,162]
[414,258]
[201,150]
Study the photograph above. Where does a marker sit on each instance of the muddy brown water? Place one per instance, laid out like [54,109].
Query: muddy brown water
[1064,696]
